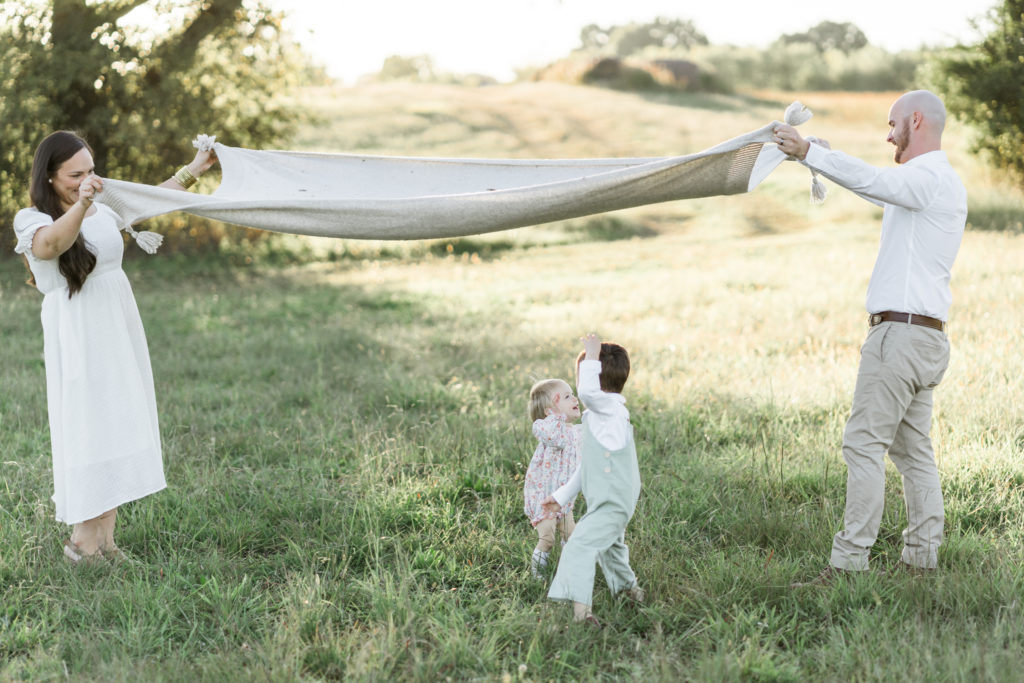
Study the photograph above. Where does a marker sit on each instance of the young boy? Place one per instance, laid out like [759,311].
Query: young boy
[610,480]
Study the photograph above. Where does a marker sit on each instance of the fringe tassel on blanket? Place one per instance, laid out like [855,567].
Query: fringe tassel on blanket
[796,114]
[148,241]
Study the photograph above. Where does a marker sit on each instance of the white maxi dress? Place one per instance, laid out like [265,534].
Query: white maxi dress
[104,433]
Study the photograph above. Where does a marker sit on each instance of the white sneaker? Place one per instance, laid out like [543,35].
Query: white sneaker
[538,563]
[636,593]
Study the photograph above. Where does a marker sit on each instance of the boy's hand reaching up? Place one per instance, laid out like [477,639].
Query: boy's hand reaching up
[592,346]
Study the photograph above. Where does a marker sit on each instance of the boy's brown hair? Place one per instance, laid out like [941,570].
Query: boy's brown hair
[614,366]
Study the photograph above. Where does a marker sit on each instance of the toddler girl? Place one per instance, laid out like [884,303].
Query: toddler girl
[553,409]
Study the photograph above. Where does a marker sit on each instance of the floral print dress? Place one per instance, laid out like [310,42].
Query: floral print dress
[553,463]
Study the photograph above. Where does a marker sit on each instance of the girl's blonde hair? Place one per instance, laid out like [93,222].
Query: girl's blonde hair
[541,395]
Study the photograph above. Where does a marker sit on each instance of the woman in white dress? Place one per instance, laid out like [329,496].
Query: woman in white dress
[104,433]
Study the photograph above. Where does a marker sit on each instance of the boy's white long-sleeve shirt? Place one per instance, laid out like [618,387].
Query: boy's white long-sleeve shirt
[606,417]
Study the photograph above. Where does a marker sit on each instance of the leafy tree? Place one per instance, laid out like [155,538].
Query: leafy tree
[829,35]
[633,38]
[984,85]
[414,68]
[138,79]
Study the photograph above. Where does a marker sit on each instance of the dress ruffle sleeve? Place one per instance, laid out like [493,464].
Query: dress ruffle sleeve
[27,223]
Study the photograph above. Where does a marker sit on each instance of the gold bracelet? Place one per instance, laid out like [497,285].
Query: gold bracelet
[184,177]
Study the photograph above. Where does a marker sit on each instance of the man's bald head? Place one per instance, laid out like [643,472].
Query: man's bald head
[925,103]
[916,120]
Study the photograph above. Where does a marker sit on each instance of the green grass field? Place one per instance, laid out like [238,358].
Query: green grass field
[345,438]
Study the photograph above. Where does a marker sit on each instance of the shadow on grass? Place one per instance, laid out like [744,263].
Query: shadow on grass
[483,248]
[609,229]
[239,264]
[600,228]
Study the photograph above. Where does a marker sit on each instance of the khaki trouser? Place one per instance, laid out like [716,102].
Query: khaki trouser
[892,411]
[546,529]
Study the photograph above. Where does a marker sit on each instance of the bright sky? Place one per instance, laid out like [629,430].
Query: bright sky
[352,38]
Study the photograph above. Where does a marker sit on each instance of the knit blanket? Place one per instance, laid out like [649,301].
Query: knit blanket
[402,198]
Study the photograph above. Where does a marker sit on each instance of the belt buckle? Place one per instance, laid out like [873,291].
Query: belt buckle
[874,319]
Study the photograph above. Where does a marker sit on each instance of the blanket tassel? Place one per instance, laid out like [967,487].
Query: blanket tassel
[148,241]
[796,114]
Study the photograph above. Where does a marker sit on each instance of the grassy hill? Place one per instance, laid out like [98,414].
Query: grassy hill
[345,438]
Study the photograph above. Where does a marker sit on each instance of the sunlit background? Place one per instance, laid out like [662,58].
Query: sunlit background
[496,38]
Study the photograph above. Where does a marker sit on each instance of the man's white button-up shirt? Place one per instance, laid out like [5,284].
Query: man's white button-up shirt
[924,214]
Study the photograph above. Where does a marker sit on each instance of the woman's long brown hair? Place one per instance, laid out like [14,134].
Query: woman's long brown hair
[77,262]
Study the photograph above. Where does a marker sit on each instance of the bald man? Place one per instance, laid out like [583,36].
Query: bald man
[906,351]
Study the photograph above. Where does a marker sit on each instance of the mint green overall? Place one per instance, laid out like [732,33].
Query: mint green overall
[611,486]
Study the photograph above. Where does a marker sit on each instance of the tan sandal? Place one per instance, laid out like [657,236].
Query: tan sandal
[76,556]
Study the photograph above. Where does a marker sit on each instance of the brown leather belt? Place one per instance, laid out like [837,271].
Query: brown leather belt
[912,318]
